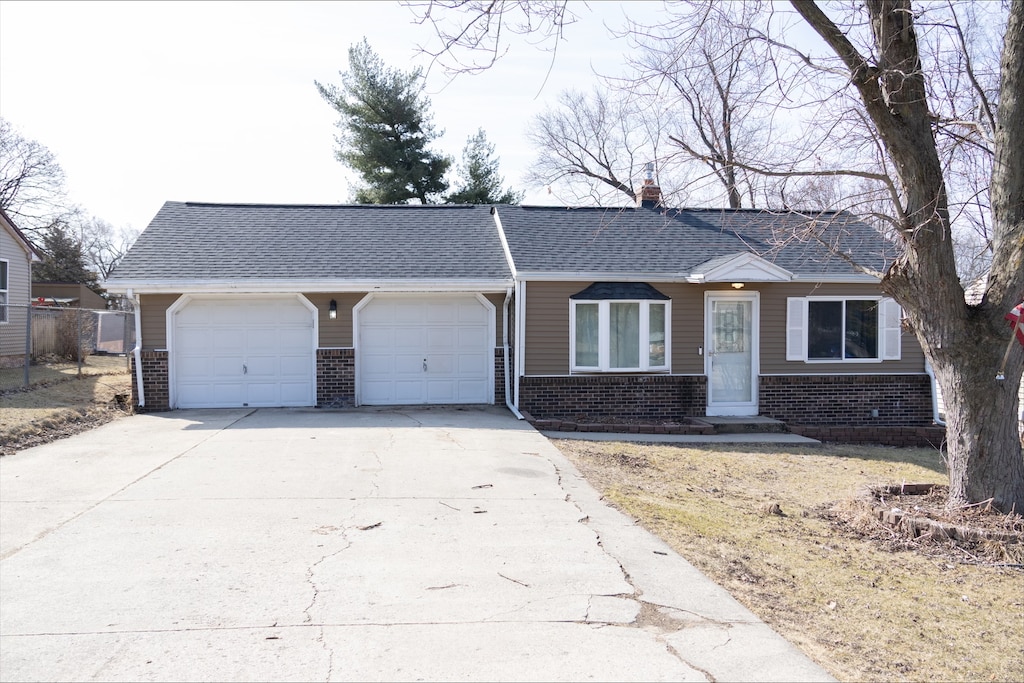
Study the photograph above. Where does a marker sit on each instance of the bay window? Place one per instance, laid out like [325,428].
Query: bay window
[619,327]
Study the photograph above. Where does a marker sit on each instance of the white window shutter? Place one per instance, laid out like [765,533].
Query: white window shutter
[796,328]
[889,330]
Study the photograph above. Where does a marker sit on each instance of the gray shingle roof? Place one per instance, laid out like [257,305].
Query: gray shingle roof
[247,242]
[210,242]
[675,241]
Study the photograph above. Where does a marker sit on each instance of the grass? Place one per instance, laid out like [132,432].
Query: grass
[858,608]
[59,401]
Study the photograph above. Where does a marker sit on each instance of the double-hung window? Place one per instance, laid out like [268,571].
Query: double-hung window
[4,292]
[827,329]
[619,327]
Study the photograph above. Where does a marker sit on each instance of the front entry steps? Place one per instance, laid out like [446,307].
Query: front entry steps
[754,424]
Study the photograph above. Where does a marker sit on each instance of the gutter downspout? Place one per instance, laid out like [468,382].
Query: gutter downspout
[935,394]
[508,378]
[137,351]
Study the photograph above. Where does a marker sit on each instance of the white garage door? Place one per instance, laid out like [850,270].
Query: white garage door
[425,350]
[231,353]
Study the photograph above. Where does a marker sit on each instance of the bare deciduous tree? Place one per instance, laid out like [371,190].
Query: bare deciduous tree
[31,183]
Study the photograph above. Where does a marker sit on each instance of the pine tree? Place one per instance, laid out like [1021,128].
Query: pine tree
[386,130]
[63,259]
[480,181]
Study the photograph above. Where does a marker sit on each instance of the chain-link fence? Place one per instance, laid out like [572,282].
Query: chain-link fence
[29,333]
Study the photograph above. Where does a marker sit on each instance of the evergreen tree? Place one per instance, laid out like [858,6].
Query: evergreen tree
[479,180]
[63,259]
[386,131]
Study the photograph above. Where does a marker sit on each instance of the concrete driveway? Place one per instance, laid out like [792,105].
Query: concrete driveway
[437,544]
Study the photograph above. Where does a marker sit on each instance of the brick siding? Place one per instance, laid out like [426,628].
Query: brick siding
[924,437]
[633,397]
[335,378]
[499,376]
[155,382]
[847,400]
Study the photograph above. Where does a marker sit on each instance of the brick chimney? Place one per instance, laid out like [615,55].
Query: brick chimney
[650,193]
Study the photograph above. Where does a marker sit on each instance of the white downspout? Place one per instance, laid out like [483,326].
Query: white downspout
[137,351]
[935,395]
[504,341]
[520,334]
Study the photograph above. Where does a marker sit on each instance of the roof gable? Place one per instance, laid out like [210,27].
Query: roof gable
[743,267]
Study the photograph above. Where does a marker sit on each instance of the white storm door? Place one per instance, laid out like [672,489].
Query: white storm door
[425,350]
[731,362]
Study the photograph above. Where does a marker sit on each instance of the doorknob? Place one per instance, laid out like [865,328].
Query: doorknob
[424,365]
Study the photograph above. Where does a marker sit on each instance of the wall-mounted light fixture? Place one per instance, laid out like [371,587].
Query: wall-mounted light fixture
[332,310]
[737,285]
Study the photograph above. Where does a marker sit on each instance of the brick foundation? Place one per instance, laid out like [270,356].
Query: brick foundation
[925,437]
[633,397]
[155,382]
[499,376]
[847,400]
[335,378]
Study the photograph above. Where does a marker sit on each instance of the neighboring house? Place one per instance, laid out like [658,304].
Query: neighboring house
[632,313]
[16,256]
[67,294]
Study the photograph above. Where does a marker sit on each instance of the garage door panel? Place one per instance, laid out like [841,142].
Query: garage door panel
[452,333]
[409,391]
[258,340]
[441,391]
[261,366]
[225,367]
[293,366]
[408,364]
[472,338]
[232,352]
[472,364]
[375,364]
[226,339]
[473,312]
[441,337]
[374,337]
[441,364]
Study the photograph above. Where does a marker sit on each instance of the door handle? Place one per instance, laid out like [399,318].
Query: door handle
[245,369]
[424,365]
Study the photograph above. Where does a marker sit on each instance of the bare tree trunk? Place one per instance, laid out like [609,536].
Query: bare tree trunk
[964,343]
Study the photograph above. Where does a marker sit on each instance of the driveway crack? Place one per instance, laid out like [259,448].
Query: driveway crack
[311,580]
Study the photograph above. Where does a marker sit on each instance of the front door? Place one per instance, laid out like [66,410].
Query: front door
[731,363]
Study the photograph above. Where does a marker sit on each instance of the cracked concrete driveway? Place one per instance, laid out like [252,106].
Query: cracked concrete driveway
[438,544]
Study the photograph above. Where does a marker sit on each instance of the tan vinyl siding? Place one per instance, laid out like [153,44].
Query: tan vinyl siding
[12,332]
[335,333]
[547,328]
[498,301]
[154,319]
[773,334]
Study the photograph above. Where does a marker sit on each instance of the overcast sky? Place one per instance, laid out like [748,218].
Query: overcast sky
[144,102]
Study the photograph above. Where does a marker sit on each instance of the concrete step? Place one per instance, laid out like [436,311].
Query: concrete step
[743,425]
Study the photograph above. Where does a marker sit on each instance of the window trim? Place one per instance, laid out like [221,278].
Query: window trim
[604,336]
[889,331]
[5,293]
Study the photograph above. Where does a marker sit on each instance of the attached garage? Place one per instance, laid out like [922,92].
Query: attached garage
[232,352]
[425,349]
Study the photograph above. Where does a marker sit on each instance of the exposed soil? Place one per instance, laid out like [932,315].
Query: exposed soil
[60,402]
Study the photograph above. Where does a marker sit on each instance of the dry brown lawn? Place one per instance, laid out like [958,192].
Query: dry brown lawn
[58,401]
[857,605]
